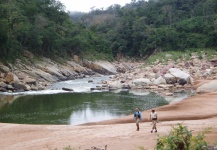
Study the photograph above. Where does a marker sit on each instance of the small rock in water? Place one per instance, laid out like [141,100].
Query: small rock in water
[89,81]
[169,94]
[67,89]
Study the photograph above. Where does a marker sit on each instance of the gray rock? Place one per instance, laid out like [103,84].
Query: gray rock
[90,81]
[20,87]
[10,77]
[3,89]
[67,89]
[209,87]
[34,88]
[182,81]
[2,84]
[142,82]
[10,87]
[4,68]
[180,74]
[159,80]
[170,79]
[29,81]
[126,87]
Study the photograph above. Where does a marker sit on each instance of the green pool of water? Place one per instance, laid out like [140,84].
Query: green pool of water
[75,108]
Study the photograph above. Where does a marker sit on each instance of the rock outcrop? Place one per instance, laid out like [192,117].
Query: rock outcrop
[28,75]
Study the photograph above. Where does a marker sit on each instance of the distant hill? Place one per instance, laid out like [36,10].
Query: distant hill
[137,29]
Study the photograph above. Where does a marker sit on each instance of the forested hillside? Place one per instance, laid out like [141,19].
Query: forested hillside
[140,28]
[143,27]
[43,28]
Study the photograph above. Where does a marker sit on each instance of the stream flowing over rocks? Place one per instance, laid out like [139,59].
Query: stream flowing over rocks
[34,75]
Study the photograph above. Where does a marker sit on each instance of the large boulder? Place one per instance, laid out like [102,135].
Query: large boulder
[3,89]
[20,87]
[39,74]
[101,67]
[182,81]
[52,70]
[21,75]
[170,79]
[209,87]
[4,68]
[180,74]
[28,80]
[159,80]
[10,77]
[2,84]
[114,84]
[142,82]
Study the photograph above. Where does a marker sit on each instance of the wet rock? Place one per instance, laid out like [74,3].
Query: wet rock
[126,87]
[169,94]
[90,81]
[67,89]
[92,89]
[104,82]
[71,77]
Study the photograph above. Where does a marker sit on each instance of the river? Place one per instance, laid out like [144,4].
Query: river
[55,106]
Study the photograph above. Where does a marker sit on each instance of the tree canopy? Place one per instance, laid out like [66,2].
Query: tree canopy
[43,28]
[142,27]
[139,28]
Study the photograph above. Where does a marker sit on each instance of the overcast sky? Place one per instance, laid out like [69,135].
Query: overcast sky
[85,5]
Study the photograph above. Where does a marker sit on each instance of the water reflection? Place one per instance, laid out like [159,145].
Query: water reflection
[88,115]
[75,108]
[61,108]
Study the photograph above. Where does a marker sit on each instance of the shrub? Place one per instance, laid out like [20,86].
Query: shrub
[180,138]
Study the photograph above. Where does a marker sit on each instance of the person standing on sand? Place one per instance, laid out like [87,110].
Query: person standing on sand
[137,116]
[153,117]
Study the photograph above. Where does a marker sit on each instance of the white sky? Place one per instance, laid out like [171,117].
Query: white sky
[85,5]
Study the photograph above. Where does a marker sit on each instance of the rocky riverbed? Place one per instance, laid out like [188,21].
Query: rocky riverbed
[33,75]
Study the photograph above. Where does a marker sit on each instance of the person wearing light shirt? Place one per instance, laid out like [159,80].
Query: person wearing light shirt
[153,117]
[137,116]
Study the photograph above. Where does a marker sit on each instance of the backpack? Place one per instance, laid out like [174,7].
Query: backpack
[139,116]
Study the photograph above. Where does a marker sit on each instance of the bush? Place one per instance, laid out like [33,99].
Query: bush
[180,138]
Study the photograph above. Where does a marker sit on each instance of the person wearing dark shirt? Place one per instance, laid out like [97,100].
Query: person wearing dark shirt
[137,116]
